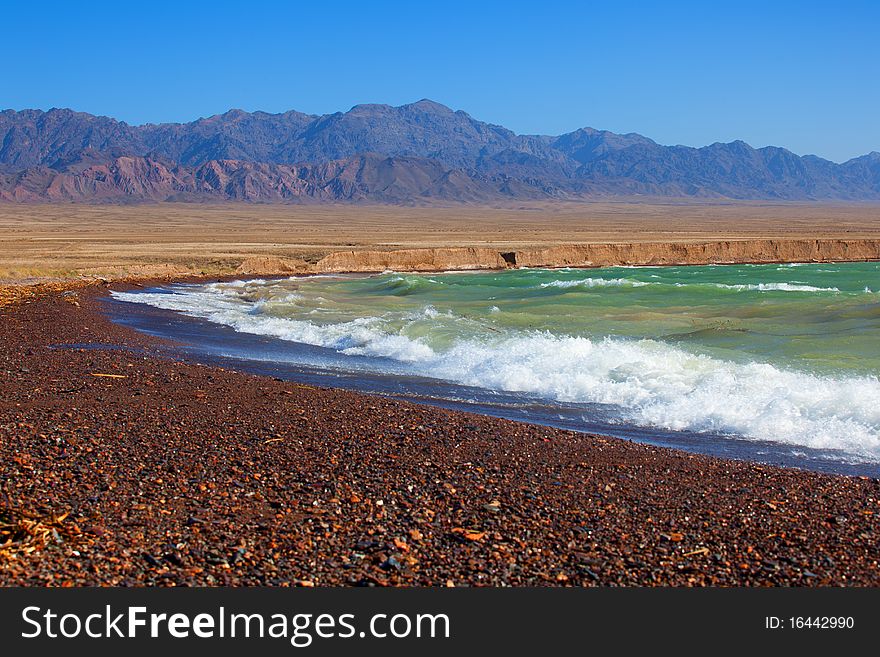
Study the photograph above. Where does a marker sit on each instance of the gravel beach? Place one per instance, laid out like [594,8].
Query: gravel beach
[122,466]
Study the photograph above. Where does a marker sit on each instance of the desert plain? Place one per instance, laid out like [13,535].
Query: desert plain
[40,242]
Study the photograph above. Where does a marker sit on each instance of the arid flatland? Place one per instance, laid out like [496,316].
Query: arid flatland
[62,241]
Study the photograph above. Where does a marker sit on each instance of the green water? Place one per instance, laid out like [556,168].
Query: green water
[779,353]
[822,318]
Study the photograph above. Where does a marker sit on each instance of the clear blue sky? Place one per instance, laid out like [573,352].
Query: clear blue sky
[804,75]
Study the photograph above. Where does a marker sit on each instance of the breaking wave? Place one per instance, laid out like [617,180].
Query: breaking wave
[652,383]
[750,287]
[777,287]
[596,282]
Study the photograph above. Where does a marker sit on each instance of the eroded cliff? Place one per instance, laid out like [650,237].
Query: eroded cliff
[604,255]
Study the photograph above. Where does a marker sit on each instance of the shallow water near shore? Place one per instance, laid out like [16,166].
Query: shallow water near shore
[773,363]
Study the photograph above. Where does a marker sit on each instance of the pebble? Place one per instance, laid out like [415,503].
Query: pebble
[173,472]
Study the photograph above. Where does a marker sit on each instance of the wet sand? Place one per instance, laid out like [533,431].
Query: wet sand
[122,466]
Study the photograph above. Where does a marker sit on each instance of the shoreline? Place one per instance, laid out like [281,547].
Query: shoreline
[176,473]
[209,343]
[432,260]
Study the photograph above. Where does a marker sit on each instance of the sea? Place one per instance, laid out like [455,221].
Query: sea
[777,364]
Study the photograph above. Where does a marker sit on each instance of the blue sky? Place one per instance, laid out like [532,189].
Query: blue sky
[804,75]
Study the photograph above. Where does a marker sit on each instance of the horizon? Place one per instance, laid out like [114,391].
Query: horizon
[488,122]
[792,75]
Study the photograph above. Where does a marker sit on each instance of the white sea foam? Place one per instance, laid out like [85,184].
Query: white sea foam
[653,383]
[627,282]
[362,336]
[777,287]
[664,386]
[596,282]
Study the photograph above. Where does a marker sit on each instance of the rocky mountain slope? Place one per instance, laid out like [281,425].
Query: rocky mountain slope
[414,153]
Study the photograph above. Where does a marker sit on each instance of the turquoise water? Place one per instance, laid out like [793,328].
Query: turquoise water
[785,353]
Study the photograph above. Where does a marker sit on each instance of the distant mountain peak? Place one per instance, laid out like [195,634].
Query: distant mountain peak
[428,105]
[233,114]
[425,105]
[363,108]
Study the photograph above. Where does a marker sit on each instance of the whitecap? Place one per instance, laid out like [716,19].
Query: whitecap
[596,282]
[653,384]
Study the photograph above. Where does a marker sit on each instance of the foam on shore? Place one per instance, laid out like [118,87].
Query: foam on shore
[652,383]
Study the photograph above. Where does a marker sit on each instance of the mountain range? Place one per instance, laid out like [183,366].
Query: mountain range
[417,153]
